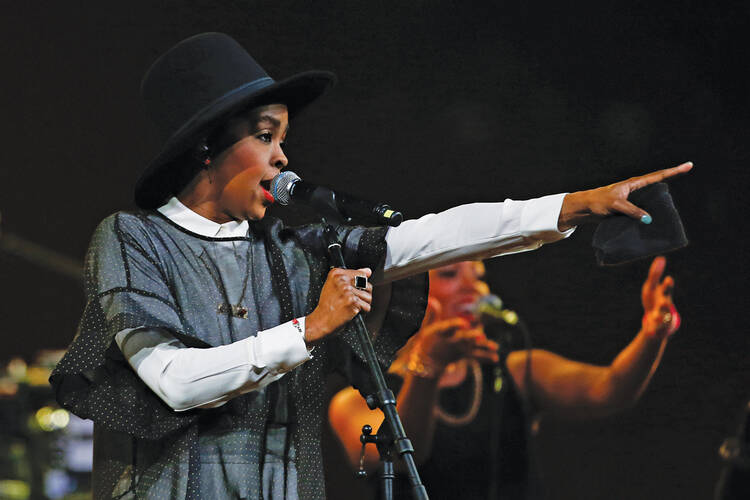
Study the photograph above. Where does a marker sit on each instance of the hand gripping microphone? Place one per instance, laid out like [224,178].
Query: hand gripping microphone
[288,188]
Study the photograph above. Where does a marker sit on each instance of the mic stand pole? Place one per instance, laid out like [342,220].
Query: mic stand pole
[382,441]
[496,403]
[383,399]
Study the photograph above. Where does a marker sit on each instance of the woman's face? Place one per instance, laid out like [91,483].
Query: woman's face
[457,287]
[243,172]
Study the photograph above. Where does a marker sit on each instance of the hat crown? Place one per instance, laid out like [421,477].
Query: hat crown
[195,73]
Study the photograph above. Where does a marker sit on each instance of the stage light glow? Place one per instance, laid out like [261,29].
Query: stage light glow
[51,419]
[60,418]
[44,418]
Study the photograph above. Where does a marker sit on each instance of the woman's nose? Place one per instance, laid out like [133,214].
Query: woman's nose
[468,280]
[279,159]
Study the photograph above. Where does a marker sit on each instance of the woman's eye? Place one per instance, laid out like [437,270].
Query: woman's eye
[265,137]
[447,274]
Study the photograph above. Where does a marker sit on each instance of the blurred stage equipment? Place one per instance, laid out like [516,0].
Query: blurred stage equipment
[734,482]
[37,254]
[45,451]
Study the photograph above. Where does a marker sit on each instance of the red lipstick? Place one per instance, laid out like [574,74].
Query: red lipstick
[268,195]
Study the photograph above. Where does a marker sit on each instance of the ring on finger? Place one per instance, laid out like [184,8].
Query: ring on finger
[666,318]
[360,282]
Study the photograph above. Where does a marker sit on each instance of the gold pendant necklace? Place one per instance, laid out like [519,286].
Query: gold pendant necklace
[471,413]
[236,310]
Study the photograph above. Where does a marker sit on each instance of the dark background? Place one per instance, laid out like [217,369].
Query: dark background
[438,103]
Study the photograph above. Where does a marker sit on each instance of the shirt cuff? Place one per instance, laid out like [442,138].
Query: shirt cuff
[281,348]
[540,216]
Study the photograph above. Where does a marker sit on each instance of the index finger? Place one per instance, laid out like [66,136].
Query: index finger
[654,273]
[659,175]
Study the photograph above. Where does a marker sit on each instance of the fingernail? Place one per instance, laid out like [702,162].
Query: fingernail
[646,219]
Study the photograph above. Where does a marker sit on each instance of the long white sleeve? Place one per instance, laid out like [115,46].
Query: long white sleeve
[186,378]
[474,231]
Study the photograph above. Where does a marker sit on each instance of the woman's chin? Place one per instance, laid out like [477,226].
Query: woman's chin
[257,215]
[256,209]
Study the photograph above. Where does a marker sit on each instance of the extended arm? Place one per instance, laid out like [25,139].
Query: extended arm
[483,230]
[470,232]
[561,387]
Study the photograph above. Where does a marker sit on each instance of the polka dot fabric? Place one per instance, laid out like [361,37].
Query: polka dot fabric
[142,270]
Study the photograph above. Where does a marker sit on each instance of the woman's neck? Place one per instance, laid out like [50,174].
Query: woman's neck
[200,196]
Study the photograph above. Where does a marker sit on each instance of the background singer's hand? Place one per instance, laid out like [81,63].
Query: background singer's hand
[339,302]
[585,206]
[660,316]
[445,341]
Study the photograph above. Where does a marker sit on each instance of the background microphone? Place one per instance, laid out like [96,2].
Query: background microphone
[287,187]
[489,310]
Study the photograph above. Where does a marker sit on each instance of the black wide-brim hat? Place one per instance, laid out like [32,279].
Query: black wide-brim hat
[196,85]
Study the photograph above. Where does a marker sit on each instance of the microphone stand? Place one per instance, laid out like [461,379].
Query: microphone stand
[504,323]
[391,435]
[496,415]
[734,481]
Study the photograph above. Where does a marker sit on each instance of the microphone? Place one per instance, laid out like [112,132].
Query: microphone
[489,310]
[287,187]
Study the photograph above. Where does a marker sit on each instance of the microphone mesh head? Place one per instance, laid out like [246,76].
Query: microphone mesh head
[489,304]
[281,185]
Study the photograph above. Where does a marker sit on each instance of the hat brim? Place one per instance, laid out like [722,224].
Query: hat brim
[295,92]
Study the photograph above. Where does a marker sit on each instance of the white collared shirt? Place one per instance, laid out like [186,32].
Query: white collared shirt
[181,215]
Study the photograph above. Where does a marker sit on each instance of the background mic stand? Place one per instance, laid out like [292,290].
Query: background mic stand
[501,325]
[734,481]
[383,397]
[496,404]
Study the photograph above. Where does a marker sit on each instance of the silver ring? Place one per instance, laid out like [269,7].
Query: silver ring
[360,282]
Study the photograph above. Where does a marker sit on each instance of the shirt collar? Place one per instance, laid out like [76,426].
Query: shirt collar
[181,215]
